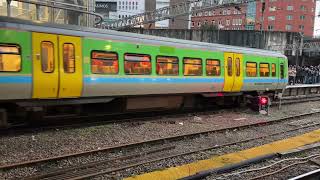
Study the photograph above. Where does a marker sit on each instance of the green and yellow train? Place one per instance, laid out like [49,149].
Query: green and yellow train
[46,65]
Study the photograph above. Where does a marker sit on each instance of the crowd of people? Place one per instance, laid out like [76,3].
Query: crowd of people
[304,74]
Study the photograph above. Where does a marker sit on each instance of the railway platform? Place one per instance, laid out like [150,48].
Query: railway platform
[194,170]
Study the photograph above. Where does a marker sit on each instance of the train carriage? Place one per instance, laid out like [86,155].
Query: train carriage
[48,66]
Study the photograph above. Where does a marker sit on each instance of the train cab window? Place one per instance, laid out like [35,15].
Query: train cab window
[47,57]
[103,62]
[281,71]
[251,69]
[138,64]
[237,66]
[10,58]
[69,65]
[273,70]
[264,70]
[192,67]
[213,67]
[229,66]
[167,65]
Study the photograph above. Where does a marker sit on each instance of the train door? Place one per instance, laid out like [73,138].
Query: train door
[233,78]
[57,69]
[45,65]
[70,67]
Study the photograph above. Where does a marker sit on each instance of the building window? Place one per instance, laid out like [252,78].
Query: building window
[213,67]
[167,65]
[224,12]
[264,70]
[10,58]
[47,57]
[227,22]
[270,27]
[192,67]
[302,17]
[288,27]
[302,8]
[251,69]
[104,62]
[289,17]
[137,64]
[69,62]
[192,23]
[273,8]
[301,27]
[213,22]
[228,11]
[271,18]
[289,8]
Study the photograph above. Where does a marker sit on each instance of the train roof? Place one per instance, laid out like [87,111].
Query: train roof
[73,30]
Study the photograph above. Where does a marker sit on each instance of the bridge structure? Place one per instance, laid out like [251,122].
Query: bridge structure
[185,7]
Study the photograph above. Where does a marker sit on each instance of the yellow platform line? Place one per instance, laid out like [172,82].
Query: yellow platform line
[232,158]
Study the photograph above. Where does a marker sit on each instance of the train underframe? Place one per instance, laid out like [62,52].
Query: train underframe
[36,110]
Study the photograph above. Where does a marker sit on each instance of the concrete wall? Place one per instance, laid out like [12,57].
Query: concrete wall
[253,39]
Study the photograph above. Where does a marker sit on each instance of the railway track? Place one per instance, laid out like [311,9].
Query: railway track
[78,121]
[136,158]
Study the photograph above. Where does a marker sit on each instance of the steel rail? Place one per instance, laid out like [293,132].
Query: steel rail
[154,141]
[279,170]
[95,171]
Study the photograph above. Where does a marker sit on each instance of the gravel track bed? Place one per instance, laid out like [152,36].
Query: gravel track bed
[185,145]
[206,154]
[45,144]
[290,172]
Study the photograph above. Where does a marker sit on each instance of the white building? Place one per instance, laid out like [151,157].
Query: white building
[317,21]
[126,8]
[165,23]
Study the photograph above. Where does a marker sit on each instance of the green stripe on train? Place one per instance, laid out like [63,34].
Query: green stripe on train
[24,40]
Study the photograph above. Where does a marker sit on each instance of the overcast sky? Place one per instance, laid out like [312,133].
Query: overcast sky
[317,21]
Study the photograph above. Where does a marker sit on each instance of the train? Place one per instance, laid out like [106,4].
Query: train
[55,69]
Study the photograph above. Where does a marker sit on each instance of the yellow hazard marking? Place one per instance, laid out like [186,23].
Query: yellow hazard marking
[232,158]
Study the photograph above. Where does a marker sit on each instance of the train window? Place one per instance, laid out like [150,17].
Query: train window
[213,67]
[264,70]
[192,67]
[10,58]
[281,71]
[229,66]
[103,62]
[251,69]
[167,65]
[137,64]
[237,66]
[47,57]
[69,65]
[273,68]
